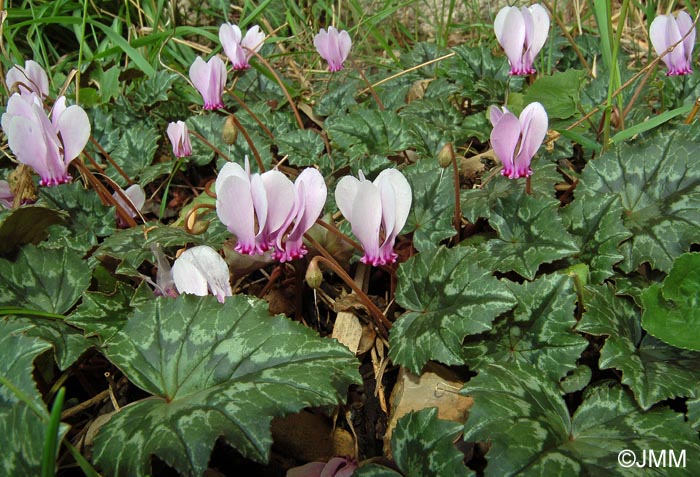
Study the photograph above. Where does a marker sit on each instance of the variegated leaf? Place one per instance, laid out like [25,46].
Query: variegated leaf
[214,370]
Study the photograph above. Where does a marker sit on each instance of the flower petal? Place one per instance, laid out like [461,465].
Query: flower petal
[504,139]
[533,123]
[234,205]
[537,37]
[685,24]
[230,169]
[280,195]
[366,220]
[199,266]
[345,193]
[312,191]
[74,126]
[403,197]
[253,40]
[513,38]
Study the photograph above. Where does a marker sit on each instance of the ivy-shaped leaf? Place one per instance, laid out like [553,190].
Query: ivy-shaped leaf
[89,218]
[26,224]
[483,76]
[432,123]
[303,146]
[446,297]
[658,181]
[210,126]
[68,342]
[652,369]
[338,99]
[672,309]
[154,89]
[595,222]
[538,331]
[520,412]
[134,153]
[369,132]
[41,279]
[422,445]
[23,414]
[480,202]
[214,370]
[530,233]
[559,93]
[433,204]
[101,314]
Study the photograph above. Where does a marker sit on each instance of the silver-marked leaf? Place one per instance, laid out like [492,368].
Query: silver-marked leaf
[652,369]
[538,331]
[303,146]
[101,314]
[520,412]
[446,296]
[433,203]
[422,445]
[26,224]
[596,224]
[671,309]
[44,279]
[369,132]
[134,153]
[658,182]
[214,370]
[530,233]
[68,343]
[480,202]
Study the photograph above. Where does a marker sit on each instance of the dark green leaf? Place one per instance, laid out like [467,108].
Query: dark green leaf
[520,412]
[303,146]
[103,314]
[558,93]
[596,224]
[672,310]
[433,205]
[369,132]
[153,89]
[26,224]
[577,379]
[134,153]
[446,297]
[422,445]
[658,182]
[652,369]
[538,331]
[214,369]
[530,233]
[339,97]
[50,280]
[68,342]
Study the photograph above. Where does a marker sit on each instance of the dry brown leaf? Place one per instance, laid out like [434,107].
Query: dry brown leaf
[310,437]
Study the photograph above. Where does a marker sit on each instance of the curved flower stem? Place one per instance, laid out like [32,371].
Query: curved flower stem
[211,146]
[251,144]
[370,88]
[191,217]
[111,161]
[458,207]
[284,88]
[378,318]
[693,112]
[332,229]
[243,105]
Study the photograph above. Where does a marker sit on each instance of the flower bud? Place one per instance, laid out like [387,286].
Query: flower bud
[446,155]
[230,131]
[314,275]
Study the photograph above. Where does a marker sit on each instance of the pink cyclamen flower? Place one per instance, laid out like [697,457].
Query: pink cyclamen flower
[210,79]
[377,211]
[336,467]
[200,270]
[333,46]
[309,197]
[239,48]
[248,210]
[180,139]
[30,79]
[666,31]
[47,146]
[522,32]
[516,140]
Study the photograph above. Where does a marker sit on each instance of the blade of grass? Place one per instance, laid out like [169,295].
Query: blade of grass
[48,457]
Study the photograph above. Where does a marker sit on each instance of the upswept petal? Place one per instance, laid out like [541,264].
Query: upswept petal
[24,137]
[234,206]
[663,33]
[533,123]
[496,113]
[199,75]
[230,169]
[344,45]
[513,39]
[388,200]
[74,126]
[345,193]
[180,139]
[30,79]
[312,187]
[322,44]
[260,206]
[199,269]
[136,199]
[499,22]
[685,25]
[280,200]
[230,38]
[209,78]
[253,40]
[53,169]
[540,30]
[366,220]
[403,198]
[504,139]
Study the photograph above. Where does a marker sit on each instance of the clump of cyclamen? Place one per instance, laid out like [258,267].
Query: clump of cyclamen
[377,211]
[239,48]
[522,32]
[333,46]
[515,140]
[678,33]
[47,145]
[267,211]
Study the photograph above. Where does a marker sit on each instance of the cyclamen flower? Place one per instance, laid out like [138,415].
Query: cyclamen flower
[516,140]
[47,146]
[522,32]
[664,32]
[267,210]
[30,79]
[333,46]
[239,48]
[336,467]
[200,270]
[136,199]
[180,139]
[377,211]
[210,79]
[309,196]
